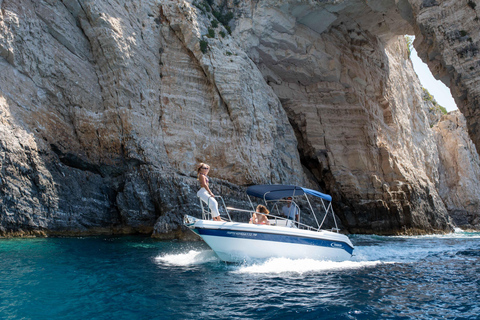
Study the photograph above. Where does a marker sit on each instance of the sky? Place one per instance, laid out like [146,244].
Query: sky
[437,89]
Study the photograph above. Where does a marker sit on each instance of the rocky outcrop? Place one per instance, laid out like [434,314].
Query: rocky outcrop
[459,171]
[355,103]
[447,39]
[106,107]
[433,109]
[117,110]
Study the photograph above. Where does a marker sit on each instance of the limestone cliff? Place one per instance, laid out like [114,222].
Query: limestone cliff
[106,111]
[106,107]
[356,105]
[460,170]
[447,39]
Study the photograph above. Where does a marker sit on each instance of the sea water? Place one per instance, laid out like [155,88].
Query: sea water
[427,277]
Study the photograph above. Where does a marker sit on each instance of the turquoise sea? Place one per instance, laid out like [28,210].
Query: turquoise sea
[428,277]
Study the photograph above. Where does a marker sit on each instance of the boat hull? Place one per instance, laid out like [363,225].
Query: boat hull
[236,242]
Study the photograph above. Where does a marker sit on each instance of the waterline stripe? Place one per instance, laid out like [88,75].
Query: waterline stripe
[275,237]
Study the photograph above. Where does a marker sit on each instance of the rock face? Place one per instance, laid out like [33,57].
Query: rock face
[460,171]
[356,106]
[106,111]
[447,39]
[107,106]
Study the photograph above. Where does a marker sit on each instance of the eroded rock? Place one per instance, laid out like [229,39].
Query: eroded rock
[106,108]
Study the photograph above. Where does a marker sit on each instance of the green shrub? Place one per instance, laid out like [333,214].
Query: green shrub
[214,23]
[222,34]
[409,40]
[203,45]
[203,6]
[216,14]
[223,18]
[428,97]
[211,33]
[444,111]
[206,5]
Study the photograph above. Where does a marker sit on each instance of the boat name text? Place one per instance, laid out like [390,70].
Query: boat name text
[241,234]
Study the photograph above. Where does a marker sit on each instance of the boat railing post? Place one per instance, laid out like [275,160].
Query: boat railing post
[224,206]
[295,222]
[210,211]
[275,208]
[335,220]
[203,209]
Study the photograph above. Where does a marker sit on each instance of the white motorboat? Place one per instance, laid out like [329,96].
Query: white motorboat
[239,241]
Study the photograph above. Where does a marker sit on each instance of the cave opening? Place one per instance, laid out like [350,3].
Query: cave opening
[436,88]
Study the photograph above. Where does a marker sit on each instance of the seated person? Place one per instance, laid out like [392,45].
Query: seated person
[259,216]
[290,211]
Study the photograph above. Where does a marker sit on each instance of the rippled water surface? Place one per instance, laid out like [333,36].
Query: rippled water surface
[426,277]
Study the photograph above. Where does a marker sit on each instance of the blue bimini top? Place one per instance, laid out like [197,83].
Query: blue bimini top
[279,191]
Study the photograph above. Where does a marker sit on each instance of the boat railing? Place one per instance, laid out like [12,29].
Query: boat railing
[297,224]
[206,213]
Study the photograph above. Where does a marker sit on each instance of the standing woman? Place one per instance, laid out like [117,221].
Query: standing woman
[205,193]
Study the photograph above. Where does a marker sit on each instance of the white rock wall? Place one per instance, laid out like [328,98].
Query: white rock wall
[107,106]
[459,170]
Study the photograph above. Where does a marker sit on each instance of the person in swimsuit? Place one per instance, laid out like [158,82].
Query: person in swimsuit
[205,193]
[259,216]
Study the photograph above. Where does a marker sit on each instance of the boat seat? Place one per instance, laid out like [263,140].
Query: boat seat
[282,223]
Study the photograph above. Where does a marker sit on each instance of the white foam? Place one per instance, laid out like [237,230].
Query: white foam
[282,265]
[457,234]
[410,249]
[185,259]
[376,250]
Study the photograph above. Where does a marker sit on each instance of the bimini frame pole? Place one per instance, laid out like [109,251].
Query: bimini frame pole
[334,220]
[333,213]
[251,203]
[264,198]
[311,208]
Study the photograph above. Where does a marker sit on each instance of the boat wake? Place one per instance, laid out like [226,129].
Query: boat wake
[300,266]
[411,249]
[270,266]
[371,251]
[192,257]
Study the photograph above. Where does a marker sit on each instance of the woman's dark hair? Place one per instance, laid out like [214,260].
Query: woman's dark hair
[262,209]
